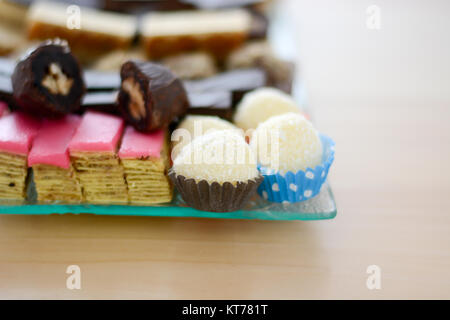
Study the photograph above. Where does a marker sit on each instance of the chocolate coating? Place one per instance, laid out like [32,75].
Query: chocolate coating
[173,5]
[102,101]
[48,81]
[238,82]
[101,80]
[150,96]
[214,103]
[5,89]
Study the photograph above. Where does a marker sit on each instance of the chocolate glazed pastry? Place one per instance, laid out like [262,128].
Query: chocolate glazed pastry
[48,81]
[150,95]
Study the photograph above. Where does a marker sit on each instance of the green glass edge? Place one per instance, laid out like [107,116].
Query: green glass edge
[168,211]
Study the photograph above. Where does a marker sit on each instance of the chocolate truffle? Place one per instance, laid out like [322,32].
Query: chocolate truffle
[261,104]
[287,142]
[48,81]
[219,156]
[150,96]
[195,126]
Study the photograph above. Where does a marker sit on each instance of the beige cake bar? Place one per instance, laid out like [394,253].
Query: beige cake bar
[101,176]
[13,174]
[56,184]
[12,17]
[12,13]
[192,65]
[217,32]
[147,180]
[89,32]
[11,39]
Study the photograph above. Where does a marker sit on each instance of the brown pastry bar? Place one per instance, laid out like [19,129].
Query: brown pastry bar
[193,65]
[217,103]
[238,82]
[217,32]
[11,39]
[112,61]
[12,13]
[259,54]
[98,31]
[174,5]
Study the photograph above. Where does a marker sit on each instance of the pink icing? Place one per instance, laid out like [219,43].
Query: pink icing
[136,144]
[17,131]
[98,132]
[51,145]
[3,108]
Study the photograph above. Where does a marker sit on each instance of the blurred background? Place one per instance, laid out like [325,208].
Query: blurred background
[374,75]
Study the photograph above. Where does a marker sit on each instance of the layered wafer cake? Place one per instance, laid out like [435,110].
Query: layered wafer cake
[93,152]
[53,174]
[145,158]
[17,132]
[216,32]
[90,32]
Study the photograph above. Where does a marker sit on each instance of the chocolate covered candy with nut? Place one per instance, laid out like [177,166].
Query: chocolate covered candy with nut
[150,96]
[48,81]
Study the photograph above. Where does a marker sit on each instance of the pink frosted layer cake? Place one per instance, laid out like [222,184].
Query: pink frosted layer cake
[141,145]
[54,176]
[98,132]
[51,145]
[17,132]
[93,152]
[3,109]
[145,160]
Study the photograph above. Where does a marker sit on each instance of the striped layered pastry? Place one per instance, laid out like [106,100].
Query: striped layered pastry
[54,176]
[93,152]
[145,158]
[17,132]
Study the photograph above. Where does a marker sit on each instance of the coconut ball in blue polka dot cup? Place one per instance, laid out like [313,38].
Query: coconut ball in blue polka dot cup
[293,157]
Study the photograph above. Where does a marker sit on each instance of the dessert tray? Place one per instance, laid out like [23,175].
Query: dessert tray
[322,206]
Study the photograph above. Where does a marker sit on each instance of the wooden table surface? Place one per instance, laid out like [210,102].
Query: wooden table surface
[384,96]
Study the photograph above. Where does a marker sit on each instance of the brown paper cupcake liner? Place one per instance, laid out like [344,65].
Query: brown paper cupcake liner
[215,197]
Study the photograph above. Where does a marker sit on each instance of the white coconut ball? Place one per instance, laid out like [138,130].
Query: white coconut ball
[287,142]
[259,105]
[218,156]
[194,126]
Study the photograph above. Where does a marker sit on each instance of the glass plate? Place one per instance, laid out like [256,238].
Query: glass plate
[318,208]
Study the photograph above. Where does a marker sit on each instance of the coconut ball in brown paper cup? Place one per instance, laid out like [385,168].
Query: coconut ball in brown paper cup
[216,172]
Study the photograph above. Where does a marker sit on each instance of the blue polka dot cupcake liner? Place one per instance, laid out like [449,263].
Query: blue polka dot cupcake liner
[300,186]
